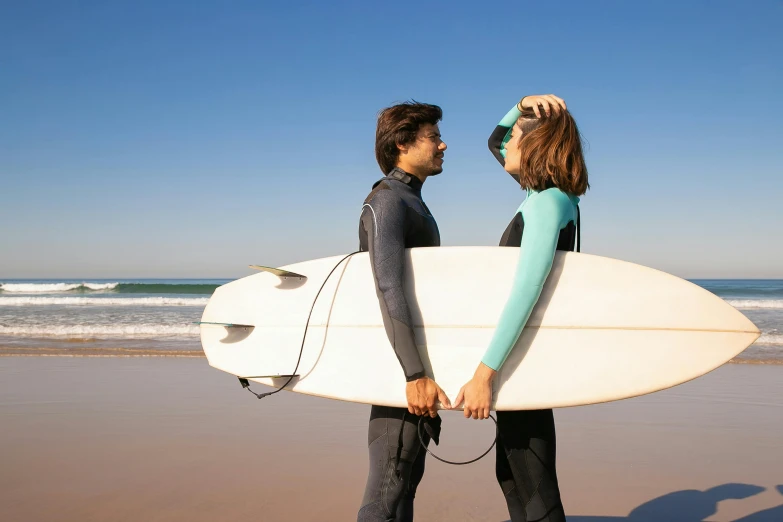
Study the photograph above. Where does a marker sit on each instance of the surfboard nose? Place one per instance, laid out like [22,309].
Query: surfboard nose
[749,326]
[737,321]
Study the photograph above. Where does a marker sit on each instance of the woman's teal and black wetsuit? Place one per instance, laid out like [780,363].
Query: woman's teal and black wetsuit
[525,462]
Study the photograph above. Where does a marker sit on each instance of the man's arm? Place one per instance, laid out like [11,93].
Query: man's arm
[383,219]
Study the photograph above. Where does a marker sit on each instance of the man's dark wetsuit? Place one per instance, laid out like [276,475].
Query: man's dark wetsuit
[525,457]
[393,218]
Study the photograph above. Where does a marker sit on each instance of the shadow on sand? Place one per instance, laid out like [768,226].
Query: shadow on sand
[692,505]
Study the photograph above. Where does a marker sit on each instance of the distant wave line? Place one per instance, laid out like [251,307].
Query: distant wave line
[104,301]
[121,288]
[54,287]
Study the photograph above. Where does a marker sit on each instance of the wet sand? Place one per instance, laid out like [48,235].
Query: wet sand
[159,439]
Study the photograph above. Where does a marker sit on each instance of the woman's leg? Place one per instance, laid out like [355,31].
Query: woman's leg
[525,466]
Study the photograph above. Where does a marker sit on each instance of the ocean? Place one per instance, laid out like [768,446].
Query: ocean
[156,316]
[103,317]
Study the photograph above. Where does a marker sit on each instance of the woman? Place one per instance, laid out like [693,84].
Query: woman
[538,143]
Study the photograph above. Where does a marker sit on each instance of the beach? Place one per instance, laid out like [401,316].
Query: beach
[110,411]
[180,179]
[169,438]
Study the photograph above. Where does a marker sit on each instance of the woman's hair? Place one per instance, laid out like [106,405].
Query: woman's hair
[551,153]
[398,125]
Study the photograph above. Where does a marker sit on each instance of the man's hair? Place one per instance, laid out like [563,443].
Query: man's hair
[551,153]
[398,125]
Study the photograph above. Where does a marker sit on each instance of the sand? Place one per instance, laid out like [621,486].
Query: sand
[159,439]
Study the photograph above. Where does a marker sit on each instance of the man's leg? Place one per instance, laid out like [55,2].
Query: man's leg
[525,466]
[405,508]
[396,464]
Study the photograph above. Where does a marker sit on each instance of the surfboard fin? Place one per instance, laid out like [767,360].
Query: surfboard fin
[278,272]
[227,325]
[243,380]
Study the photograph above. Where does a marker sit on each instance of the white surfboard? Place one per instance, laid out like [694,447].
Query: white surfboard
[602,330]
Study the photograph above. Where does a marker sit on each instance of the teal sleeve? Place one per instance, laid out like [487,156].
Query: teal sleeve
[510,118]
[508,122]
[544,215]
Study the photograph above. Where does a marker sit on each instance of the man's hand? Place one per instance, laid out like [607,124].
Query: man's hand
[477,393]
[547,101]
[423,395]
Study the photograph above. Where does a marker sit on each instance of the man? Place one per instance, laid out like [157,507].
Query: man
[409,149]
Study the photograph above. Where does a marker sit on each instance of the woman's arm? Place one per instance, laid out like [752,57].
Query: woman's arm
[544,216]
[502,133]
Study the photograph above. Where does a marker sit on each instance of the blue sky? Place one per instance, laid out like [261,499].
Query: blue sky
[190,139]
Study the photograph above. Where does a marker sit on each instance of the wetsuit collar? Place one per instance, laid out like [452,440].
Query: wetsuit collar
[400,175]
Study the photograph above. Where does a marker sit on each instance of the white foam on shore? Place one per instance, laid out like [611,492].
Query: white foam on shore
[99,331]
[770,338]
[756,303]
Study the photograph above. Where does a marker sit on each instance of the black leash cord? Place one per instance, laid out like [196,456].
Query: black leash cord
[244,382]
[421,440]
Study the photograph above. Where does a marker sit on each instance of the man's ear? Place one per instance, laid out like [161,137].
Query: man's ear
[402,148]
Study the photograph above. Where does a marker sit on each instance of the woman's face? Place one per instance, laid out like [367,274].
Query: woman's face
[512,164]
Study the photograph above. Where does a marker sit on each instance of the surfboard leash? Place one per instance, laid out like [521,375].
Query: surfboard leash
[429,432]
[244,382]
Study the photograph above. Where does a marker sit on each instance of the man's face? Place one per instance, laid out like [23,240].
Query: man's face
[424,157]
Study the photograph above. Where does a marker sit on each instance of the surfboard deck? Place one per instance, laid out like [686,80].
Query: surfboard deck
[602,330]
